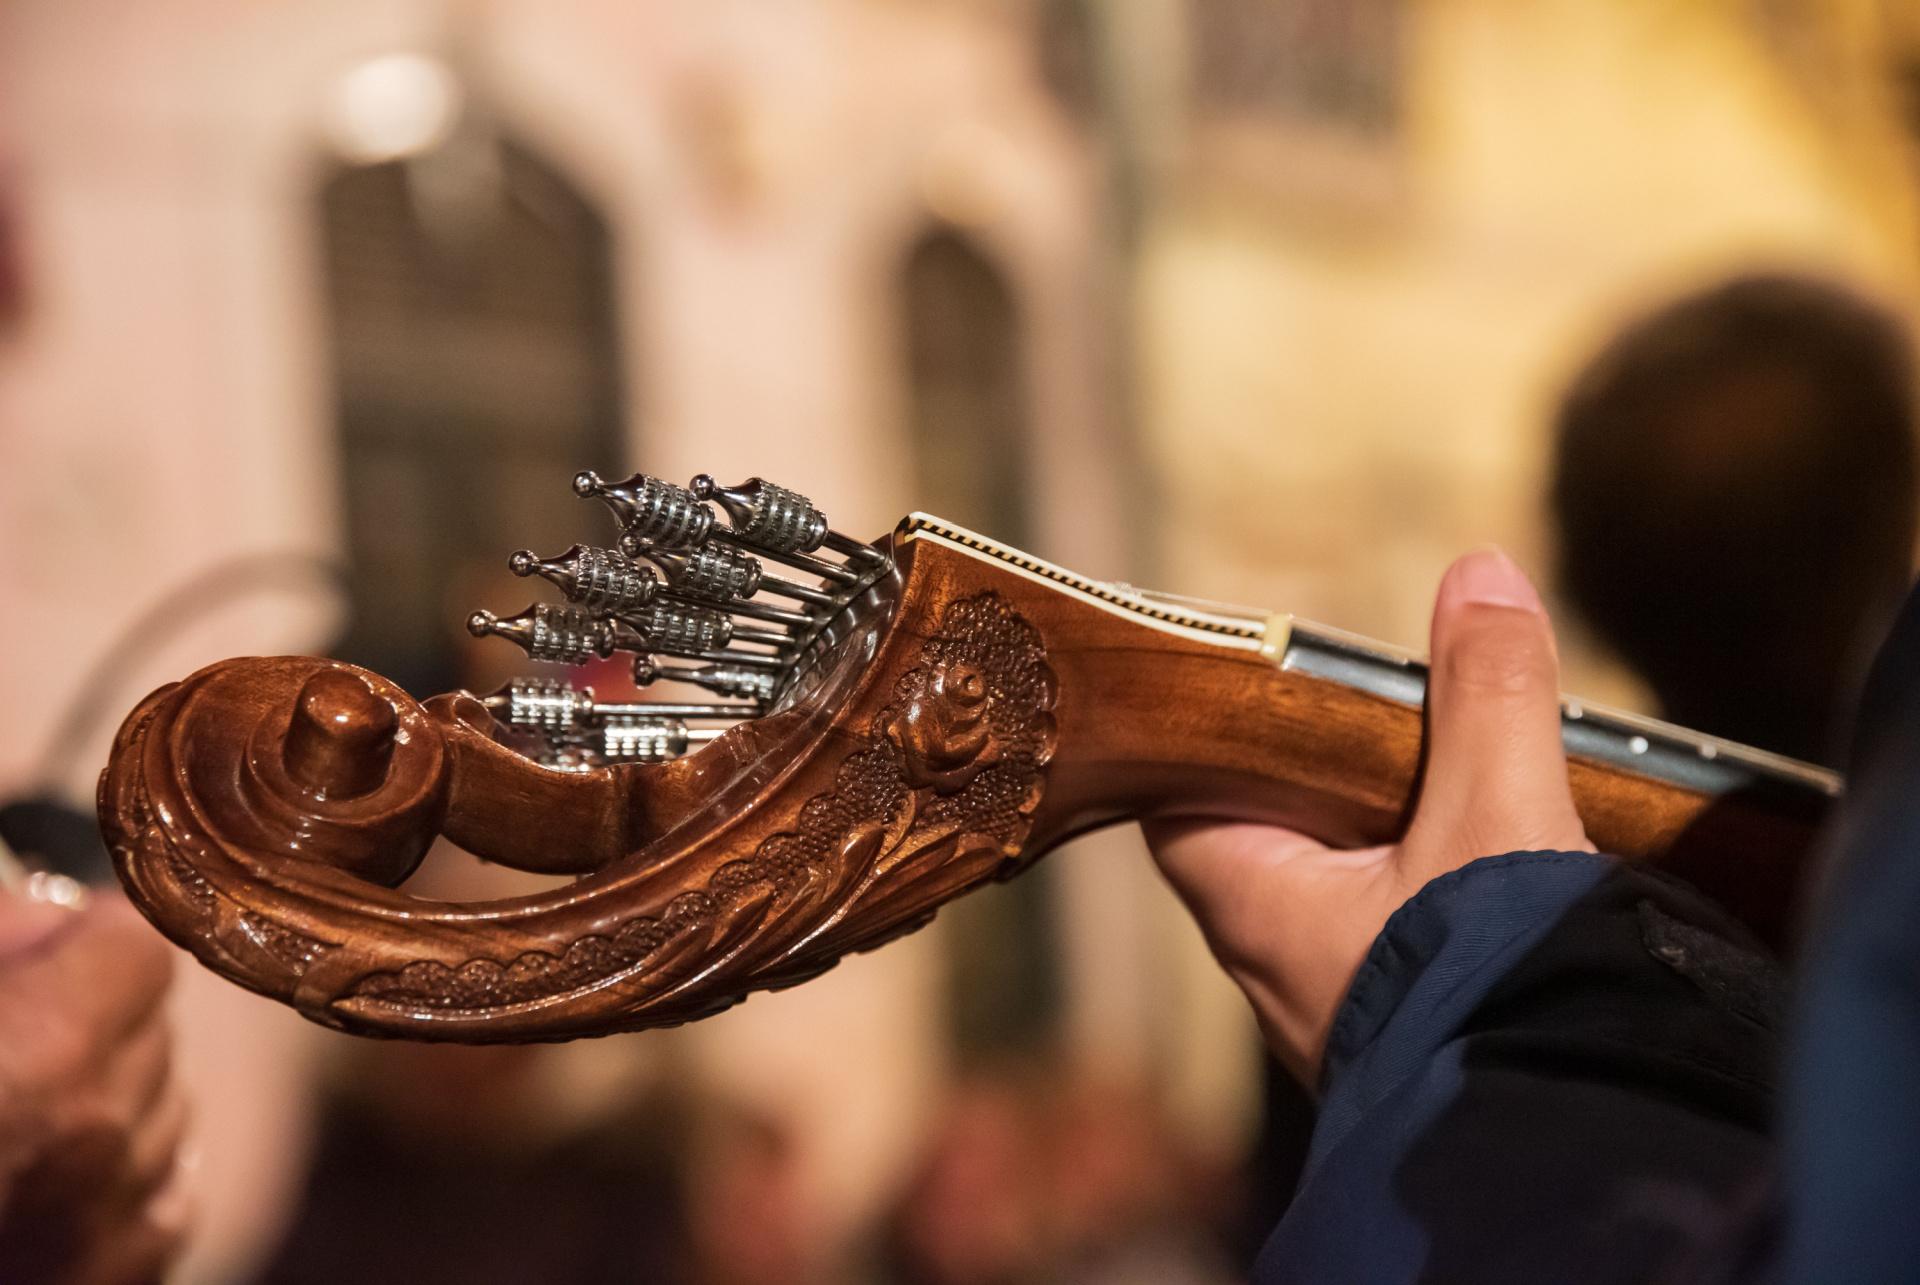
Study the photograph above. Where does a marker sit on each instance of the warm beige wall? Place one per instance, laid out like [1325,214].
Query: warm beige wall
[1340,399]
[763,165]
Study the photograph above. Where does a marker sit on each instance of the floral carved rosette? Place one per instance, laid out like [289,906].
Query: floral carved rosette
[943,796]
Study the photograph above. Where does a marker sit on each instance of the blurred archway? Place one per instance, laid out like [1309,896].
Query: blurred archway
[968,430]
[476,369]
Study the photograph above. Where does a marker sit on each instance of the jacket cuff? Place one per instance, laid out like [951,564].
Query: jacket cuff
[1430,967]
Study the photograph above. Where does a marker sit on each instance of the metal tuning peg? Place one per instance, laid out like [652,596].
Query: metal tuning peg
[716,573]
[768,516]
[641,740]
[730,680]
[765,515]
[550,706]
[764,611]
[599,579]
[721,574]
[685,630]
[667,627]
[570,635]
[664,515]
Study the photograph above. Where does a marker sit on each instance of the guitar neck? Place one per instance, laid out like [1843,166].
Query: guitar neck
[1174,705]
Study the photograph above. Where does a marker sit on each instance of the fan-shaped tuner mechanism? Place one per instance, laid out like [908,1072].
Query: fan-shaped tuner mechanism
[687,580]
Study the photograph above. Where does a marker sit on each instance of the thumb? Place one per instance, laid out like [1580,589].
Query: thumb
[1496,776]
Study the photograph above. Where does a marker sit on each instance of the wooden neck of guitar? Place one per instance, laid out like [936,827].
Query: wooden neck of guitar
[1168,708]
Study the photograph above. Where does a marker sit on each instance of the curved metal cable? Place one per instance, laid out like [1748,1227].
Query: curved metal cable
[206,592]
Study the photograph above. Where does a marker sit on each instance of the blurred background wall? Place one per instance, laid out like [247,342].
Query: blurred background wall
[309,311]
[1360,302]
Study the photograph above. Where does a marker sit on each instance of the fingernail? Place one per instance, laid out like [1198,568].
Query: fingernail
[1488,576]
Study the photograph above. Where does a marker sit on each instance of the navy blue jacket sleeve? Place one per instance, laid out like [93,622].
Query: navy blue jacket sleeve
[1852,1144]
[1550,1067]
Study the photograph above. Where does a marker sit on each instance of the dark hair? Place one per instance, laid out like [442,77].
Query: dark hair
[1735,493]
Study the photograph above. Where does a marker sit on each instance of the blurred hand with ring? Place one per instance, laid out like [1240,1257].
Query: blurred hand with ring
[92,1187]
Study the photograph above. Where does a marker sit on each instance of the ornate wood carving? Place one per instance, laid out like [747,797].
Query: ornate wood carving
[966,715]
[932,797]
[936,800]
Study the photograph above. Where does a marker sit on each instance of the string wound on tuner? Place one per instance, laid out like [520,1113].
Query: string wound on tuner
[687,580]
[598,579]
[574,731]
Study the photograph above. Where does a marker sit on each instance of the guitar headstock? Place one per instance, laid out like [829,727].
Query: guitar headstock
[886,751]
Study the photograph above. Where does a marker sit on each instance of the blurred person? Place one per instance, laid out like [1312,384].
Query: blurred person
[55,837]
[1734,489]
[746,1208]
[972,1214]
[1044,1177]
[250,1057]
[512,1164]
[92,1188]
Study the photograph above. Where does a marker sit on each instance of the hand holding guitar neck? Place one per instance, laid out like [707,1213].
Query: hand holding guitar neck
[1291,919]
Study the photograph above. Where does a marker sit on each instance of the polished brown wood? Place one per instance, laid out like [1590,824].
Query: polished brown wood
[970,713]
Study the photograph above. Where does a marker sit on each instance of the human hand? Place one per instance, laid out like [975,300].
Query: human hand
[91,1117]
[1291,919]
